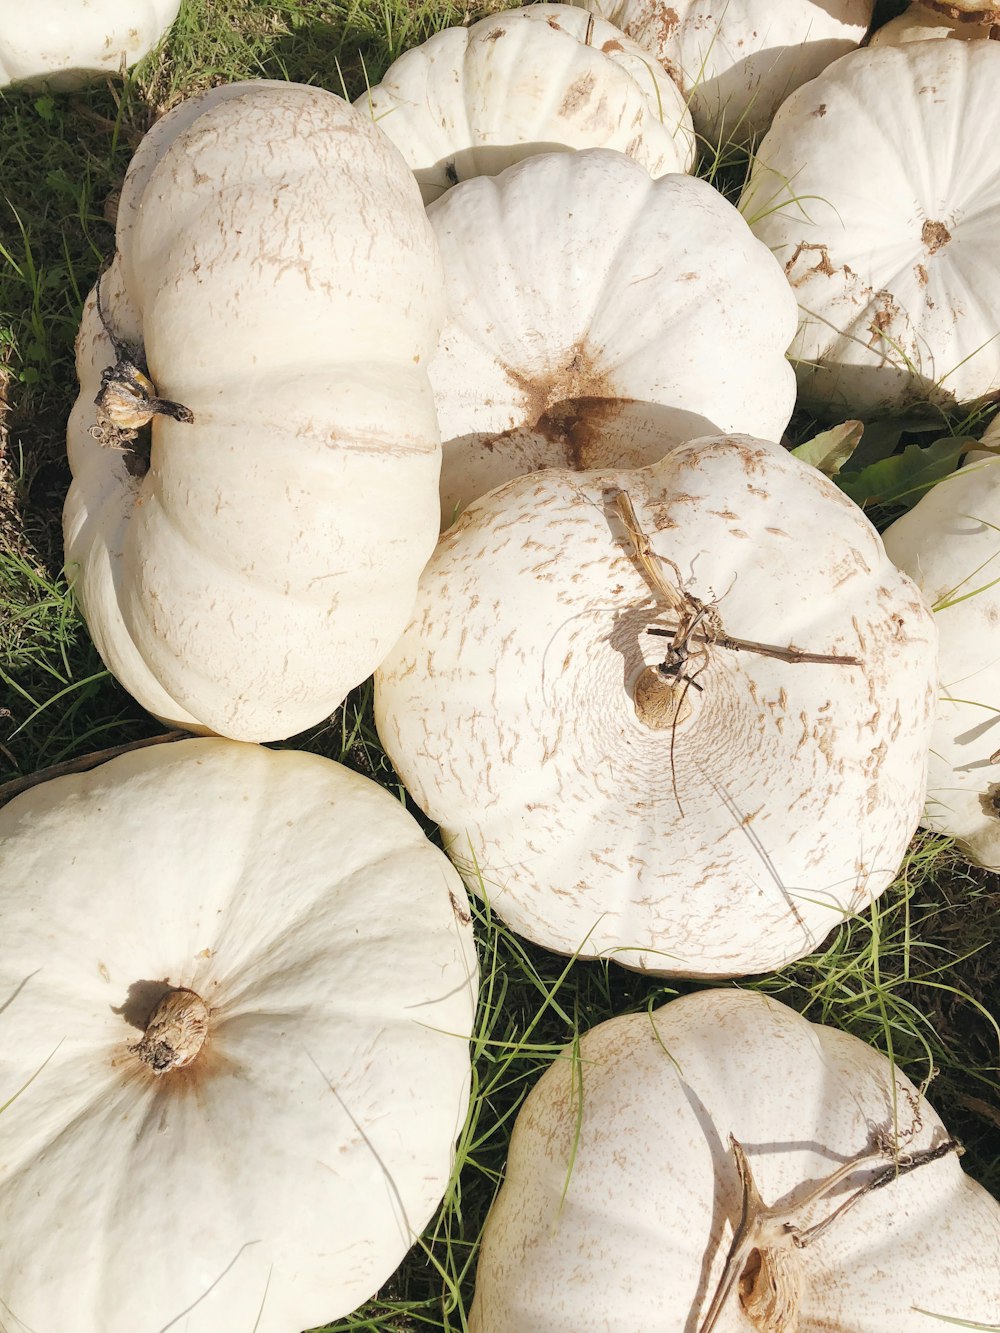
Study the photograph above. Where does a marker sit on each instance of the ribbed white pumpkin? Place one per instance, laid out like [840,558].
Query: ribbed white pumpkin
[737,60]
[522,709]
[949,544]
[596,317]
[886,229]
[473,100]
[622,1193]
[291,299]
[66,43]
[276,1180]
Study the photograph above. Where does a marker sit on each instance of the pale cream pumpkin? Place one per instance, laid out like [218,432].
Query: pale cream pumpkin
[949,544]
[473,100]
[737,60]
[65,43]
[623,1191]
[684,806]
[596,317]
[885,230]
[289,302]
[236,991]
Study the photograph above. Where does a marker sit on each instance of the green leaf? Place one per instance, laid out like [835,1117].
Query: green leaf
[830,450]
[46,108]
[902,479]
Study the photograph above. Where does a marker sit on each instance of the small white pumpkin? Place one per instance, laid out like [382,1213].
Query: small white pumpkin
[62,44]
[236,991]
[840,1206]
[289,302]
[596,317]
[737,60]
[473,100]
[687,807]
[949,544]
[886,230]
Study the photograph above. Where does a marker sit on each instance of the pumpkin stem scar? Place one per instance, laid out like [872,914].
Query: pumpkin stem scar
[175,1033]
[763,1261]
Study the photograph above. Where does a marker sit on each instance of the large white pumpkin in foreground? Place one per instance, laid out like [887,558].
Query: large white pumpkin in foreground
[878,189]
[276,1179]
[737,60]
[623,1190]
[949,544]
[473,100]
[65,43]
[290,300]
[597,317]
[717,819]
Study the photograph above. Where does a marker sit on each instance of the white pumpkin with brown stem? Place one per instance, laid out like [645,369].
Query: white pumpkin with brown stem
[473,100]
[722,1165]
[236,991]
[885,231]
[596,317]
[673,799]
[288,303]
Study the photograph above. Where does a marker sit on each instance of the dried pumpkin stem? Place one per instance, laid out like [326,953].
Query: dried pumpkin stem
[758,1257]
[175,1033]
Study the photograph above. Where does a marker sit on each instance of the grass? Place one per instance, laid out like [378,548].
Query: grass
[916,976]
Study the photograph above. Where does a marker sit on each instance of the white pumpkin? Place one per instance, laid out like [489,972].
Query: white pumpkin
[237,986]
[885,230]
[473,100]
[949,544]
[920,23]
[688,808]
[737,60]
[625,1192]
[63,44]
[597,317]
[290,301]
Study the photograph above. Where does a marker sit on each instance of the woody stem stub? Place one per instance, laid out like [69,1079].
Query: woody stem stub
[175,1032]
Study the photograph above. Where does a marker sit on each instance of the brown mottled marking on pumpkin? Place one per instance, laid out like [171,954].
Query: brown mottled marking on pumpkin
[934,235]
[885,312]
[496,34]
[820,110]
[823,266]
[921,273]
[612,45]
[982,16]
[577,95]
[460,912]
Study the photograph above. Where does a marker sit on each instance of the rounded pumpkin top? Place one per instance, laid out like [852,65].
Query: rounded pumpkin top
[730,831]
[885,229]
[596,317]
[290,300]
[473,100]
[63,44]
[238,985]
[623,1191]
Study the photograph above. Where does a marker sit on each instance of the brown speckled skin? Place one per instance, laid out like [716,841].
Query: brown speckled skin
[507,709]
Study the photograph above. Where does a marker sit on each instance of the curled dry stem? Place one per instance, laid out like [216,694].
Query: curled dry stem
[765,1235]
[127,400]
